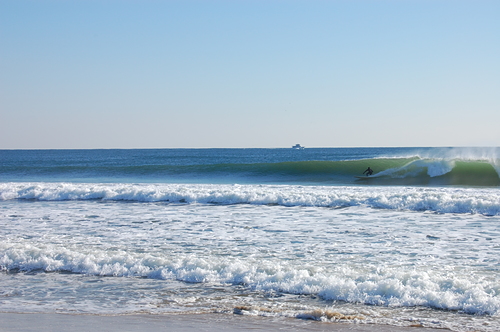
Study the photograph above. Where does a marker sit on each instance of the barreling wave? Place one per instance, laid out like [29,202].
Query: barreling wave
[441,200]
[413,170]
[391,171]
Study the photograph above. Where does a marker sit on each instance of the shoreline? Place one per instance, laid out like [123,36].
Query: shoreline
[62,322]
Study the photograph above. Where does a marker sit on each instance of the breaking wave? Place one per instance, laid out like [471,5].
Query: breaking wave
[484,201]
[413,170]
[371,285]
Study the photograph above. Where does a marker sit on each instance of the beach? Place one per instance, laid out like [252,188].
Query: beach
[11,322]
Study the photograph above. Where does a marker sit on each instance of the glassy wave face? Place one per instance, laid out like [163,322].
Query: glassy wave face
[391,166]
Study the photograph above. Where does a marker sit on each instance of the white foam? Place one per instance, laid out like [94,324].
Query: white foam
[443,200]
[237,254]
[440,161]
[382,286]
[432,167]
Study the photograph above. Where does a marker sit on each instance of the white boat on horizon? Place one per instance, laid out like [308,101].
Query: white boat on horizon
[297,147]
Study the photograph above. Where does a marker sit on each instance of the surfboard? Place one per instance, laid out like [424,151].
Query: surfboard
[364,177]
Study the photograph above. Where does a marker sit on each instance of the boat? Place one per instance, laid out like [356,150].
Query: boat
[297,147]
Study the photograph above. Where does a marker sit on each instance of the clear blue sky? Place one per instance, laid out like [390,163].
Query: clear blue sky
[249,73]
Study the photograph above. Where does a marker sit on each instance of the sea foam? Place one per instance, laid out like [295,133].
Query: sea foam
[384,286]
[442,200]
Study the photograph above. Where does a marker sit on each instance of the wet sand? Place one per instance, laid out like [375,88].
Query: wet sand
[15,322]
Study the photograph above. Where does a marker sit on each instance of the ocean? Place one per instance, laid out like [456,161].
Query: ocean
[289,233]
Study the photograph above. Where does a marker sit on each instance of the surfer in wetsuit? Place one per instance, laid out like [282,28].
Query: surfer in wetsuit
[368,171]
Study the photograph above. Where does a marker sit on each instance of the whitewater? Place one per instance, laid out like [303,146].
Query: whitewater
[441,200]
[266,232]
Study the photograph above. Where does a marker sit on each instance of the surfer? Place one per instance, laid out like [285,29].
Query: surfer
[368,171]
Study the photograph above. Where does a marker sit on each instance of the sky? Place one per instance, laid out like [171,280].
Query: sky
[249,73]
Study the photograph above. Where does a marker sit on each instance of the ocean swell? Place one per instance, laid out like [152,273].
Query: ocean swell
[411,170]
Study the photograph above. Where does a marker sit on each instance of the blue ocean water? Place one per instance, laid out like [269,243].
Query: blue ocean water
[323,166]
[268,232]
